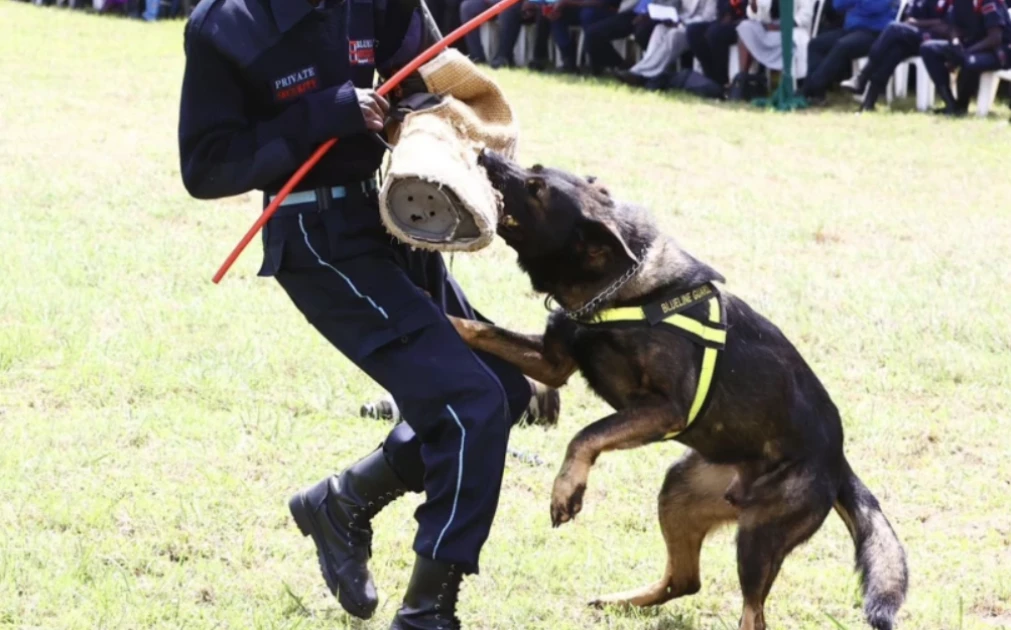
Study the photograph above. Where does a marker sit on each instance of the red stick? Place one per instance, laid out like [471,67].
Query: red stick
[395,80]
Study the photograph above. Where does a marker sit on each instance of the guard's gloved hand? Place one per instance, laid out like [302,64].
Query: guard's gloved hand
[374,108]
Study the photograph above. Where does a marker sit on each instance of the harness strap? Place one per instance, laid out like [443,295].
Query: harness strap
[711,334]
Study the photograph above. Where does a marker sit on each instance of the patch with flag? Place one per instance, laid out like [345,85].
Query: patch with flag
[361,52]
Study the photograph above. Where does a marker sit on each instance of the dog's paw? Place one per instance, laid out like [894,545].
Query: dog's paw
[566,500]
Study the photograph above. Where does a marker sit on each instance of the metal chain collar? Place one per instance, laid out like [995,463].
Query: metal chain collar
[598,300]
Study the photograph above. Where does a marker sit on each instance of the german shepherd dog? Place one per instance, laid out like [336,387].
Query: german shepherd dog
[766,448]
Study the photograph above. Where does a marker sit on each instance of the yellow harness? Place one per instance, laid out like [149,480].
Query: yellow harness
[710,333]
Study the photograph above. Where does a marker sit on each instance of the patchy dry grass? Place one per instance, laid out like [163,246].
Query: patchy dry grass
[153,424]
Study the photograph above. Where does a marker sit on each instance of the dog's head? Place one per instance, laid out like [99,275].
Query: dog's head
[562,225]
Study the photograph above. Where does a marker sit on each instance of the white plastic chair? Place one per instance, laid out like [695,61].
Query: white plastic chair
[925,90]
[988,84]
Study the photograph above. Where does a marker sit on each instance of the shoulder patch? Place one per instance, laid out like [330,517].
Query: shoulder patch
[241,30]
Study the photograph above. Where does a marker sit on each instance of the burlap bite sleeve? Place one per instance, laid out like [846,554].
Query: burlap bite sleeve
[435,196]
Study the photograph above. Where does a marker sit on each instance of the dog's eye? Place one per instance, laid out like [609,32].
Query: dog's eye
[534,186]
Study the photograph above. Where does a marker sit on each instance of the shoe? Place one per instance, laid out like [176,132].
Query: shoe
[630,78]
[430,601]
[383,409]
[538,65]
[953,112]
[499,62]
[738,88]
[545,406]
[855,84]
[336,513]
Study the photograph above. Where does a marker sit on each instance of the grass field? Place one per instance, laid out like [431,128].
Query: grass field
[152,424]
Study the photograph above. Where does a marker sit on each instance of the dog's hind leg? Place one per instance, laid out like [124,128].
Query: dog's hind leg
[769,530]
[690,505]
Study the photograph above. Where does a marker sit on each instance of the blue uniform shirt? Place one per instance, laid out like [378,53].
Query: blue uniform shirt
[267,81]
[872,15]
[973,18]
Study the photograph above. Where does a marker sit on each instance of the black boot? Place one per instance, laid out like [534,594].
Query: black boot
[950,106]
[337,512]
[430,601]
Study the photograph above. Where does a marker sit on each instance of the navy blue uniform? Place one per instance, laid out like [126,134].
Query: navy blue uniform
[710,42]
[901,40]
[973,22]
[268,81]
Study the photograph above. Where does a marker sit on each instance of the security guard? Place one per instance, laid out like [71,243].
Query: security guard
[985,28]
[923,20]
[266,82]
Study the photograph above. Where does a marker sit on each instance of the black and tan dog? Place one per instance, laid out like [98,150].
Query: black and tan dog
[679,358]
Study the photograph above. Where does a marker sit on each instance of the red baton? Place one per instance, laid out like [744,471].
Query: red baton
[418,61]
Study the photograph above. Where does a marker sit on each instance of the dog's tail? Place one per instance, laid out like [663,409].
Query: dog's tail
[880,556]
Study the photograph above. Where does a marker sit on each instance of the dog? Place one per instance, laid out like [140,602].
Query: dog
[679,358]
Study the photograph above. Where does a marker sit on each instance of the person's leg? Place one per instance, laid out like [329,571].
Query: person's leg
[563,38]
[468,10]
[744,57]
[933,55]
[599,36]
[968,77]
[817,50]
[542,39]
[151,10]
[883,43]
[457,412]
[721,37]
[510,29]
[698,44]
[450,17]
[901,45]
[850,46]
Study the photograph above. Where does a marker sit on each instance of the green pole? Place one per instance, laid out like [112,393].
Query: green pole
[784,99]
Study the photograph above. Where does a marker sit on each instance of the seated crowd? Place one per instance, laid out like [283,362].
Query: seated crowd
[967,36]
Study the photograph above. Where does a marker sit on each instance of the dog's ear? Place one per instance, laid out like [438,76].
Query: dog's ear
[602,243]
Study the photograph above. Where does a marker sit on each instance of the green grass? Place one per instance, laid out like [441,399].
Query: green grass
[152,424]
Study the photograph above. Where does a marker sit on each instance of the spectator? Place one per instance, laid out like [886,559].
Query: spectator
[583,13]
[986,29]
[829,54]
[922,20]
[669,41]
[760,40]
[631,19]
[710,42]
[510,23]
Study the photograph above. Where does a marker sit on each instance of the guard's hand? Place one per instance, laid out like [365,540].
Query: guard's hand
[374,108]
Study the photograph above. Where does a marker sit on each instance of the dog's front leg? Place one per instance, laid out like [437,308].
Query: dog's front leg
[625,429]
[527,352]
